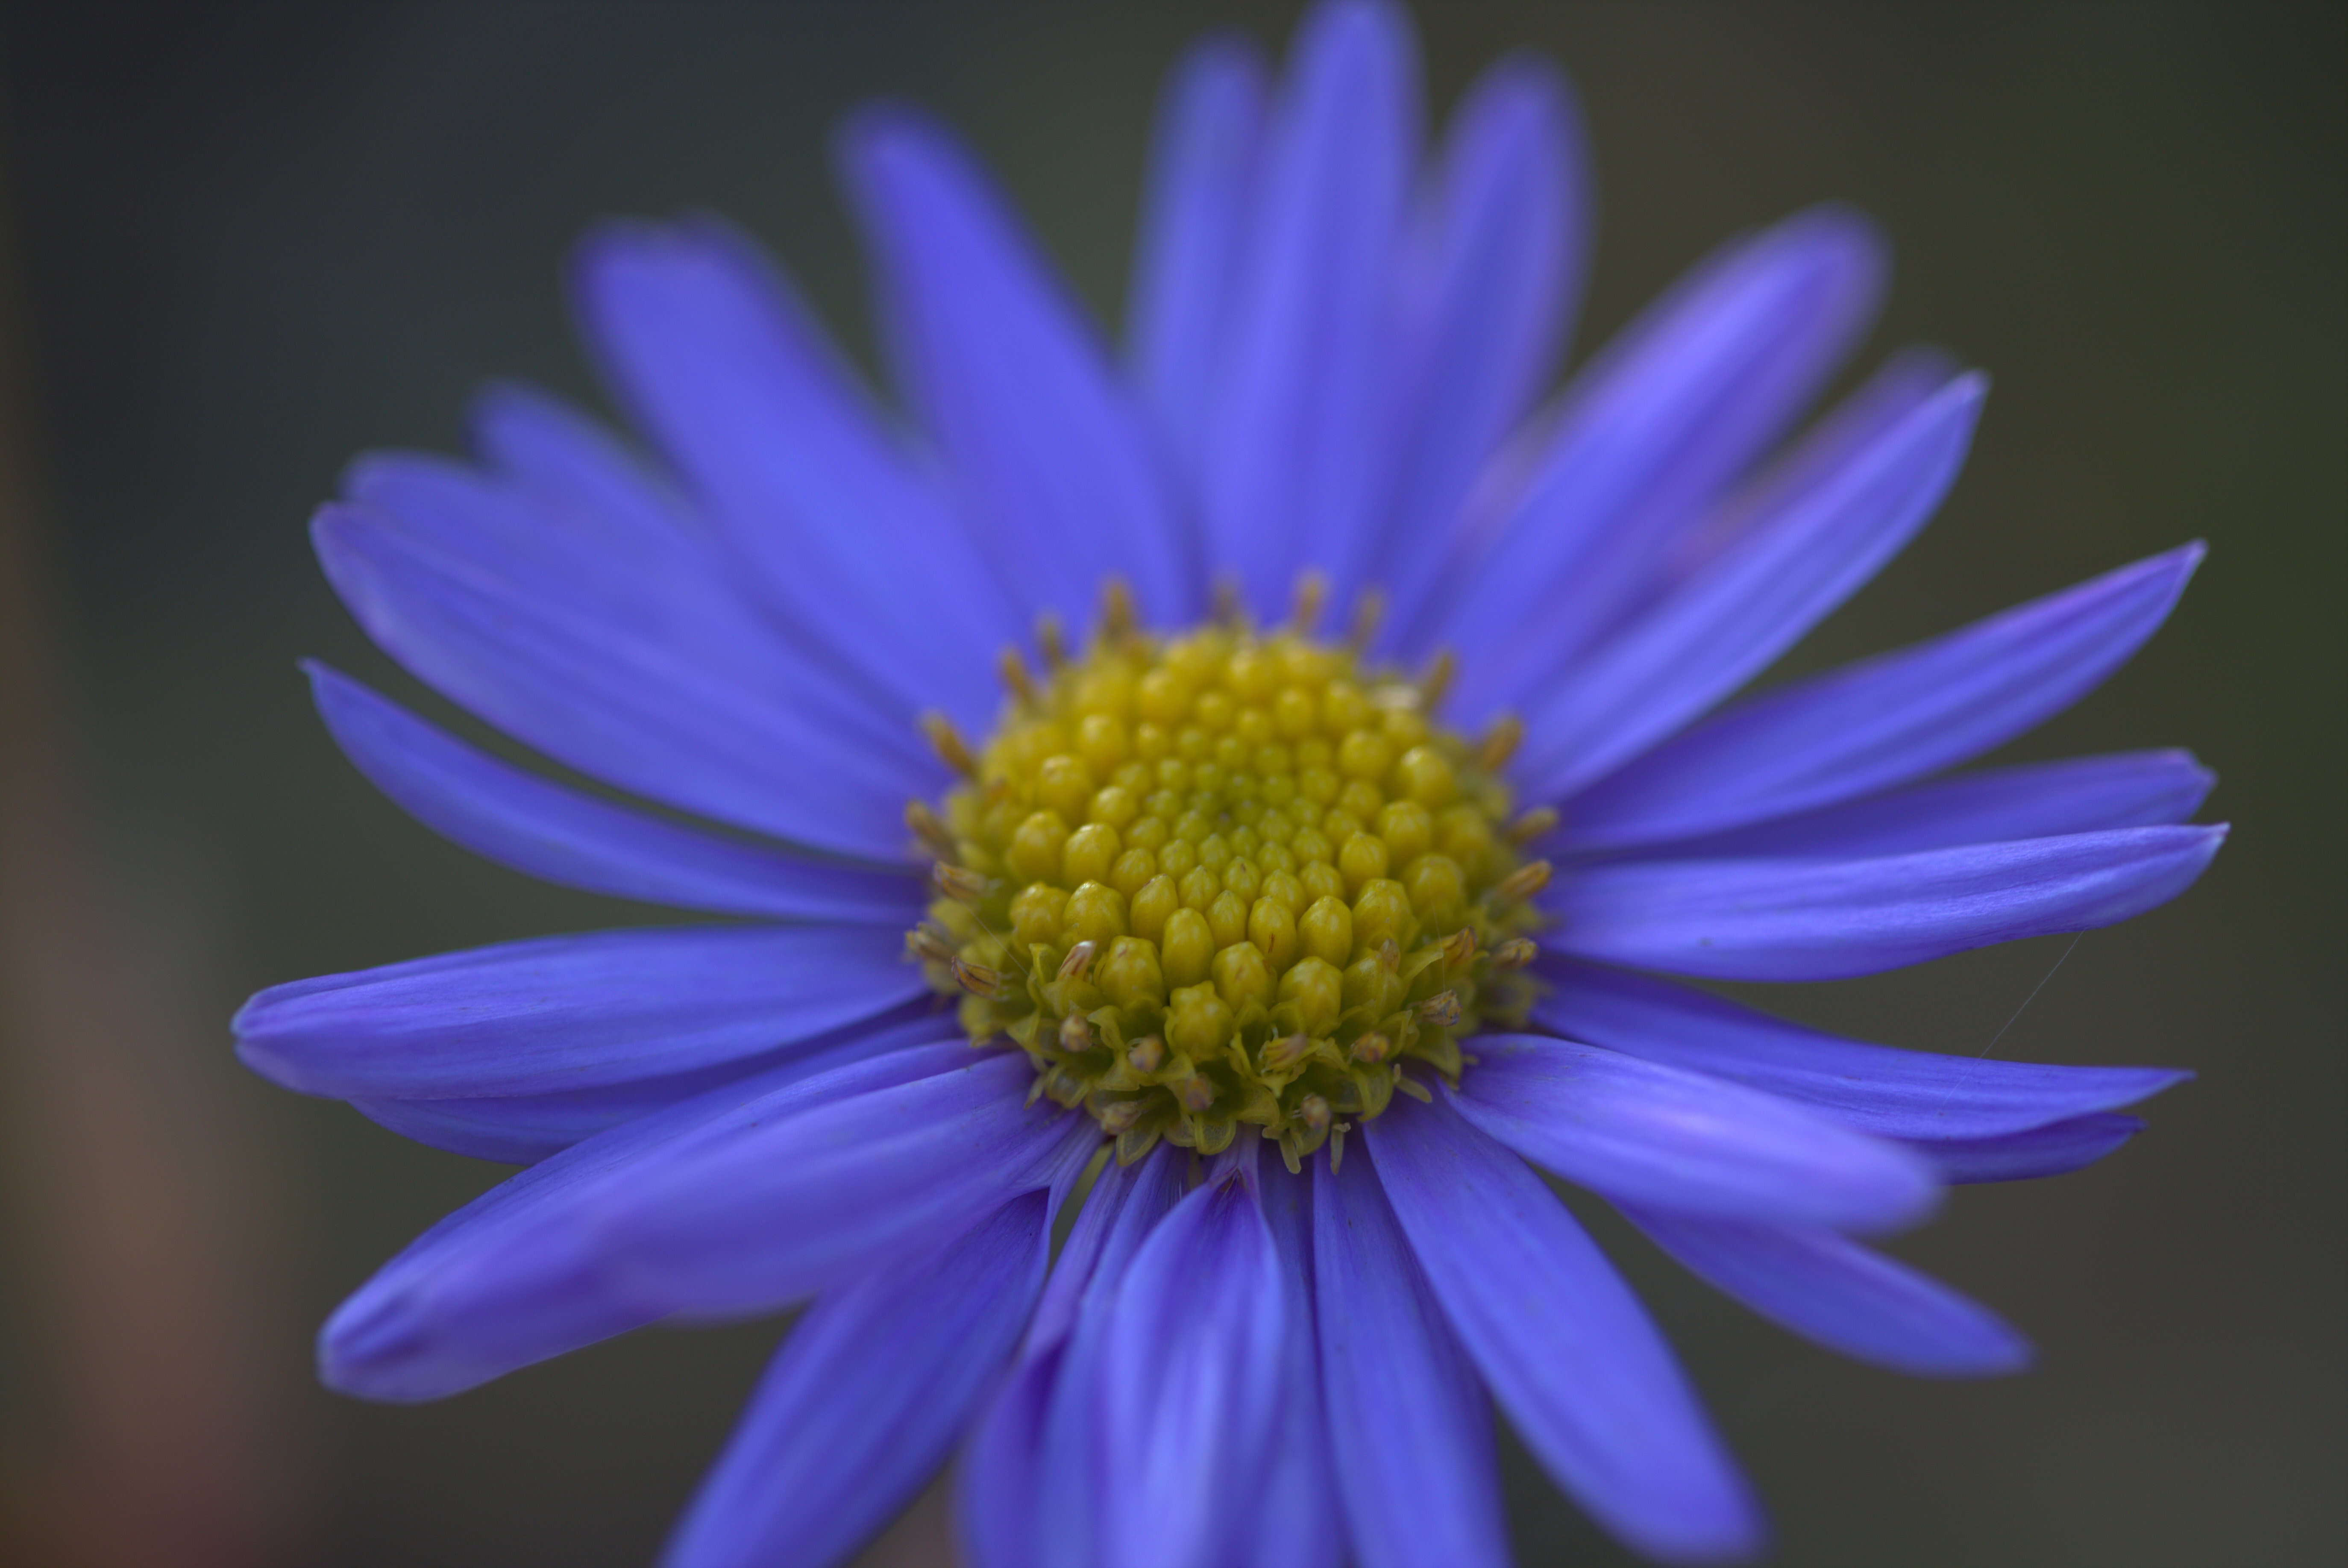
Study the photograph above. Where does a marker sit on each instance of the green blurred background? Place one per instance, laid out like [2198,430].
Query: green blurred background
[244,243]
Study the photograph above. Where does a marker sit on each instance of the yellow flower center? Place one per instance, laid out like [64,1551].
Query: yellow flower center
[1228,876]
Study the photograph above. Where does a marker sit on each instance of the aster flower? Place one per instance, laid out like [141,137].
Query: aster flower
[1283,956]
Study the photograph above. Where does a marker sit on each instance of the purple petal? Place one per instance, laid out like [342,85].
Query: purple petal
[516,1275]
[1048,450]
[1834,1292]
[1293,473]
[721,362]
[1298,1524]
[2056,1150]
[549,831]
[1642,1132]
[1409,1426]
[2034,801]
[1889,1092]
[1567,1350]
[748,744]
[1501,248]
[1190,1384]
[1885,720]
[779,1209]
[1672,411]
[1029,1474]
[1205,156]
[1827,919]
[570,1012]
[864,1399]
[1731,620]
[522,1130]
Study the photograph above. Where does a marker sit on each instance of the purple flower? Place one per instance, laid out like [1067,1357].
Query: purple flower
[1281,957]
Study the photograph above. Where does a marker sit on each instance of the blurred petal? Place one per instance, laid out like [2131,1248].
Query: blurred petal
[1294,458]
[720,361]
[1826,920]
[1566,1348]
[1670,412]
[1763,594]
[1191,1385]
[2056,1150]
[1205,156]
[747,743]
[864,1399]
[1645,1134]
[516,1275]
[1841,1294]
[1048,450]
[1300,1523]
[565,1013]
[1502,245]
[1889,1092]
[2034,801]
[549,831]
[1886,720]
[1409,1426]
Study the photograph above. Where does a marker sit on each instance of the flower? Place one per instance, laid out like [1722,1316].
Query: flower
[1265,979]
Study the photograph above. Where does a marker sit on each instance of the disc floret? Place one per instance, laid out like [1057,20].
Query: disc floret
[1228,876]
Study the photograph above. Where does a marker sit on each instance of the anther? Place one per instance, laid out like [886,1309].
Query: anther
[1052,641]
[1514,954]
[1117,619]
[1499,743]
[932,833]
[1079,960]
[1442,1010]
[1369,609]
[979,980]
[1196,1092]
[1119,1115]
[1523,882]
[1013,671]
[927,942]
[1440,672]
[948,743]
[1459,947]
[1390,955]
[1372,1049]
[1286,1052]
[1146,1055]
[958,882]
[1314,1113]
[1076,1034]
[1311,599]
[1532,825]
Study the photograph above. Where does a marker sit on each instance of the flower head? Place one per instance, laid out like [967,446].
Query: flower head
[1228,795]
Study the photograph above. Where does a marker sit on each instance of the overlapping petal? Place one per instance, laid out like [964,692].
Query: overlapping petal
[1889,1092]
[565,836]
[1827,919]
[1048,453]
[1299,1524]
[1760,596]
[1642,1132]
[1672,411]
[2055,1149]
[1844,1296]
[865,1398]
[1410,1427]
[721,363]
[1885,720]
[1567,1350]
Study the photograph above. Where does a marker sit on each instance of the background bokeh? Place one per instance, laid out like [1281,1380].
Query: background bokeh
[243,243]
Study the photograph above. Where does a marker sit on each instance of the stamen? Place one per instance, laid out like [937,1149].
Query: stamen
[1079,959]
[1523,882]
[1311,599]
[1515,952]
[1436,684]
[1076,1034]
[1499,743]
[962,885]
[929,830]
[1372,1049]
[1117,619]
[1146,1055]
[1459,947]
[1369,610]
[1443,1009]
[948,743]
[1013,671]
[1534,824]
[927,942]
[979,980]
[1052,642]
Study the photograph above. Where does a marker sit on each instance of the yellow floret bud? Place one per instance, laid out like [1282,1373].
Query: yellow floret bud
[1198,1021]
[1035,913]
[1364,860]
[1095,912]
[1244,977]
[1317,990]
[1033,854]
[1327,931]
[1129,975]
[1149,909]
[1187,948]
[1272,926]
[1090,851]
